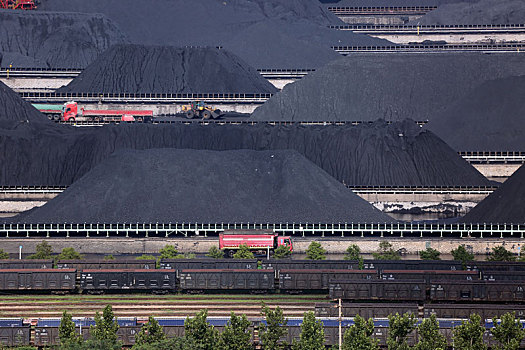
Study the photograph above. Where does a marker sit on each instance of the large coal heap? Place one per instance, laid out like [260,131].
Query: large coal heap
[489,118]
[481,12]
[54,39]
[369,154]
[165,69]
[505,205]
[226,23]
[14,109]
[365,87]
[169,185]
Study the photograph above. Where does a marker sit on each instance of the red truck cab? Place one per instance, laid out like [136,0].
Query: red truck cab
[259,241]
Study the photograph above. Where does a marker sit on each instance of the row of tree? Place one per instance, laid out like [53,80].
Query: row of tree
[315,251]
[237,335]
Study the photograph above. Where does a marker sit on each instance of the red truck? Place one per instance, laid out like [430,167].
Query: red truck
[70,112]
[260,242]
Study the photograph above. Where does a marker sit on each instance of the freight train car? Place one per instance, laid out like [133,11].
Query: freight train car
[26,264]
[318,280]
[122,280]
[43,280]
[233,279]
[93,264]
[206,264]
[13,332]
[478,291]
[429,275]
[366,310]
[378,290]
[288,264]
[463,311]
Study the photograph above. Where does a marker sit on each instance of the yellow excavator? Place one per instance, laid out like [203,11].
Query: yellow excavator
[199,109]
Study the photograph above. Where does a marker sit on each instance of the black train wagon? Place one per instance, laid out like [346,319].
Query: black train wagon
[484,266]
[463,311]
[366,310]
[318,280]
[413,265]
[497,276]
[26,264]
[378,290]
[478,291]
[231,279]
[100,281]
[430,275]
[38,280]
[173,327]
[46,330]
[198,264]
[13,332]
[288,264]
[93,264]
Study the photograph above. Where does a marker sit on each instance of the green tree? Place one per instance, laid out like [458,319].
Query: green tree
[274,329]
[3,255]
[315,251]
[429,336]
[67,331]
[469,335]
[69,254]
[430,254]
[353,252]
[236,334]
[386,252]
[105,328]
[399,328]
[43,251]
[312,334]
[215,253]
[359,335]
[499,253]
[146,257]
[461,254]
[282,252]
[150,333]
[109,257]
[200,333]
[508,332]
[168,252]
[243,252]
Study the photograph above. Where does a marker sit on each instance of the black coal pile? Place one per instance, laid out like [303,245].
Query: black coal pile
[168,185]
[52,39]
[369,154]
[365,87]
[166,69]
[226,23]
[505,205]
[481,12]
[489,118]
[14,109]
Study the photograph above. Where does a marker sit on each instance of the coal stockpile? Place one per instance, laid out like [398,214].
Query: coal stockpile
[489,118]
[481,12]
[505,205]
[169,185]
[14,109]
[237,25]
[50,39]
[165,69]
[399,154]
[365,87]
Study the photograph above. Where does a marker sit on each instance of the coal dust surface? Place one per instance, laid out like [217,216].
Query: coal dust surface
[366,87]
[505,205]
[481,12]
[167,69]
[14,109]
[31,39]
[399,154]
[183,185]
[489,118]
[265,33]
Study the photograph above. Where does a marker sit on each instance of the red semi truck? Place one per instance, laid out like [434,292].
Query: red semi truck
[71,112]
[259,241]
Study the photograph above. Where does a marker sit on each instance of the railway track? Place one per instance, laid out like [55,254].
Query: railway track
[148,305]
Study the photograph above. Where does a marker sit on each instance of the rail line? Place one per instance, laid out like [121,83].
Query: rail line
[483,157]
[422,48]
[137,230]
[433,29]
[381,10]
